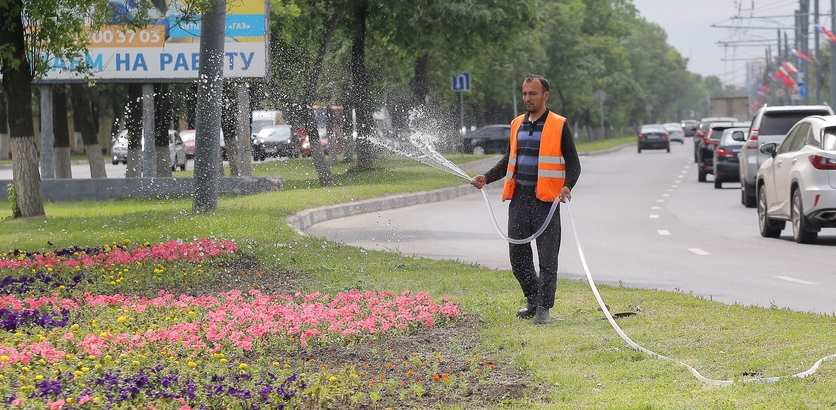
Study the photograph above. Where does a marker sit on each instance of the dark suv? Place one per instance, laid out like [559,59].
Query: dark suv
[771,124]
[708,143]
[488,139]
[702,129]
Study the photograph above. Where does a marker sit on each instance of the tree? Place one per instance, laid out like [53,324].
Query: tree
[83,118]
[56,30]
[63,168]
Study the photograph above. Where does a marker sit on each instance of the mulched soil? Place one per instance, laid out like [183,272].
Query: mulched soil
[452,347]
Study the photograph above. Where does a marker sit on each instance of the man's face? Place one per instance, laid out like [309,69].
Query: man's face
[533,96]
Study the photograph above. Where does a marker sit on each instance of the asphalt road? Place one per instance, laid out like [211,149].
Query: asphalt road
[644,222]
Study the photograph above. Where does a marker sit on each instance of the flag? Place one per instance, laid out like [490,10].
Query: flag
[782,72]
[789,82]
[789,67]
[800,55]
[760,93]
[764,88]
[774,77]
[827,33]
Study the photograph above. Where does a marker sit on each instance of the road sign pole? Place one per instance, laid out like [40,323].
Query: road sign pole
[461,112]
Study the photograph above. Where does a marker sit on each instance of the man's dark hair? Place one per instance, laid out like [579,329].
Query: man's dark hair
[532,77]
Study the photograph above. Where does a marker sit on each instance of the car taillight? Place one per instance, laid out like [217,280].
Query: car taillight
[665,136]
[641,136]
[820,162]
[752,142]
[724,153]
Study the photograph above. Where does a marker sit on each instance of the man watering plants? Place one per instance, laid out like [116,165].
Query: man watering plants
[541,166]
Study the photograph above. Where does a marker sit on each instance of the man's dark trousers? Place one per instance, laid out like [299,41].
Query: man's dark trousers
[526,214]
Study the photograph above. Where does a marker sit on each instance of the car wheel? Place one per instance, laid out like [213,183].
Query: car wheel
[183,166]
[747,196]
[718,184]
[478,150]
[701,176]
[115,162]
[669,148]
[640,149]
[800,230]
[768,226]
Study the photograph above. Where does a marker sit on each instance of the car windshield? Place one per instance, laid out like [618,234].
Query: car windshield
[728,136]
[829,142]
[673,127]
[779,123]
[274,132]
[652,128]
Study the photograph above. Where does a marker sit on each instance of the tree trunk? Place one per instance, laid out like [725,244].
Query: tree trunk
[420,84]
[61,130]
[17,87]
[83,116]
[5,153]
[133,124]
[162,122]
[360,88]
[208,121]
[229,127]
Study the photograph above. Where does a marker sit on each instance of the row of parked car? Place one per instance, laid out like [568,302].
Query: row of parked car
[270,141]
[784,160]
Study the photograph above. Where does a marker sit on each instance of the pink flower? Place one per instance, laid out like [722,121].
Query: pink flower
[56,405]
[85,399]
[18,401]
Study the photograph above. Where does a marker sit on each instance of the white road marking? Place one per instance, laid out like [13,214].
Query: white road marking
[679,181]
[654,216]
[663,232]
[687,166]
[699,251]
[666,195]
[655,207]
[674,186]
[803,282]
[670,190]
[660,200]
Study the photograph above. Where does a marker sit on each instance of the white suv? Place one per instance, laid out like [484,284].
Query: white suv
[771,124]
[797,182]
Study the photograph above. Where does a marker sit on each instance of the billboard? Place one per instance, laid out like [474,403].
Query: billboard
[168,49]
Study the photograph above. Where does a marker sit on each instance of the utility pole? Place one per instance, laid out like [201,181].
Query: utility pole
[819,76]
[832,55]
[779,54]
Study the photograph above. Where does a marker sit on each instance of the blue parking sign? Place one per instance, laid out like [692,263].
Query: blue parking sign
[460,82]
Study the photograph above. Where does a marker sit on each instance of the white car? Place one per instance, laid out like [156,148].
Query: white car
[797,182]
[675,132]
[176,147]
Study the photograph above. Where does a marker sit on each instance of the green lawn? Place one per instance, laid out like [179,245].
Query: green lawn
[579,360]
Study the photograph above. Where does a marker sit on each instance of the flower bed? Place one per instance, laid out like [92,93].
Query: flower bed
[65,342]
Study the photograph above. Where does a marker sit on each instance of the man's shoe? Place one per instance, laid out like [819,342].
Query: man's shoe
[542,316]
[527,312]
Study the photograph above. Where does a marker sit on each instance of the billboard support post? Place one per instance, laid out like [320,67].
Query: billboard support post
[47,134]
[149,153]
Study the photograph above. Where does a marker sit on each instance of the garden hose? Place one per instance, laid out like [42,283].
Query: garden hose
[609,317]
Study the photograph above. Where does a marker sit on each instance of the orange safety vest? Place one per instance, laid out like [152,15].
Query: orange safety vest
[551,167]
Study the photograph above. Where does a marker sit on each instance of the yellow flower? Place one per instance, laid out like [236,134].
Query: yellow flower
[85,369]
[122,319]
[223,361]
[192,365]
[39,377]
[135,363]
[74,327]
[42,362]
[332,379]
[70,400]
[125,242]
[242,366]
[78,374]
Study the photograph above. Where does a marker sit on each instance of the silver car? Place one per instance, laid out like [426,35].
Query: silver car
[176,147]
[675,132]
[770,124]
[797,182]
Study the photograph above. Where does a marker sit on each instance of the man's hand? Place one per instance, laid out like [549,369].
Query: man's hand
[479,181]
[565,194]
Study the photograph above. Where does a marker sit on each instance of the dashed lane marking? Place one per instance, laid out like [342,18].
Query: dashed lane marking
[660,200]
[699,251]
[655,207]
[803,282]
[663,232]
[654,216]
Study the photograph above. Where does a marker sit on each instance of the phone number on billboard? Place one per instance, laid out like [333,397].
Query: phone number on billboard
[114,36]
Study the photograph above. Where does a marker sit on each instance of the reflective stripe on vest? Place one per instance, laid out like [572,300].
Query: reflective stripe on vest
[551,166]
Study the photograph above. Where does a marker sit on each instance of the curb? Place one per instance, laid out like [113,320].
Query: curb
[9,166]
[305,219]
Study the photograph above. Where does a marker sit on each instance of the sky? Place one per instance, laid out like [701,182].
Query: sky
[688,24]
